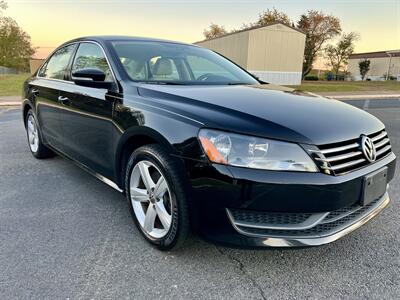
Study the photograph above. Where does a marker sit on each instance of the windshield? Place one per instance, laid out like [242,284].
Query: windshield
[170,63]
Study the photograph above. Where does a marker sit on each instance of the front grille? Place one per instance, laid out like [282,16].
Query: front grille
[344,157]
[265,224]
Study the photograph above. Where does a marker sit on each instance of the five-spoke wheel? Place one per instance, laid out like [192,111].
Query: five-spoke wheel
[33,134]
[151,199]
[157,192]
[38,149]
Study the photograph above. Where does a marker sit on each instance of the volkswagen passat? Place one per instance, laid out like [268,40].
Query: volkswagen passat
[197,143]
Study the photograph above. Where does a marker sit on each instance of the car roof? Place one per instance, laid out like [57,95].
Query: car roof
[102,38]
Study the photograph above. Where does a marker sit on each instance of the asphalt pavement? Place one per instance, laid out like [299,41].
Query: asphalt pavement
[65,234]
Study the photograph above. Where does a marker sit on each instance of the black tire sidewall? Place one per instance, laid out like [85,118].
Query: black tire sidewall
[155,154]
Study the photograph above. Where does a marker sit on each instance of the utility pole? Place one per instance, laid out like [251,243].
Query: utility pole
[390,62]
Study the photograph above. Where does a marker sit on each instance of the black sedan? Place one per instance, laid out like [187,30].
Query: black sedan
[197,143]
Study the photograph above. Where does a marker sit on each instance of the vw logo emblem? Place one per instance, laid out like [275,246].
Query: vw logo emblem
[368,148]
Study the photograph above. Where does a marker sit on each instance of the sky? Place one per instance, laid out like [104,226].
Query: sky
[52,22]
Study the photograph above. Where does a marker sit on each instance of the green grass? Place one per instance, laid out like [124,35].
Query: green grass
[11,85]
[348,86]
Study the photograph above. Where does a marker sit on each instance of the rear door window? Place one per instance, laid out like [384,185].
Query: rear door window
[56,67]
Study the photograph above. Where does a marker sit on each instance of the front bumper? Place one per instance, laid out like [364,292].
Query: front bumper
[218,190]
[321,233]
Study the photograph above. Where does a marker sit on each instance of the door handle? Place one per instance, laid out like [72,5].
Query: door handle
[62,99]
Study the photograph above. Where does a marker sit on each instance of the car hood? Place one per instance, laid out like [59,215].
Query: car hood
[265,110]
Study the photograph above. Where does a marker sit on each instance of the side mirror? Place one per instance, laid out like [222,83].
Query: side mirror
[91,77]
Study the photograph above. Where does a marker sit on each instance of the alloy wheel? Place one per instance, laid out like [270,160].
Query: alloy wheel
[151,199]
[33,134]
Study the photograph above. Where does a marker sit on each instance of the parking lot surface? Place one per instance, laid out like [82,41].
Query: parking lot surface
[65,234]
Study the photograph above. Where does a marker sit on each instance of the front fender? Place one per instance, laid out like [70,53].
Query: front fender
[150,124]
[26,106]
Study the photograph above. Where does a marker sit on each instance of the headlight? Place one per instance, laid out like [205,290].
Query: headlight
[253,152]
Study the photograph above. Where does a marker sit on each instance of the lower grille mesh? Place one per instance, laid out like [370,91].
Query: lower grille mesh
[269,218]
[260,223]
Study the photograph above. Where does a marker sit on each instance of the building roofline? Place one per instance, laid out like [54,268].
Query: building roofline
[375,54]
[393,51]
[249,29]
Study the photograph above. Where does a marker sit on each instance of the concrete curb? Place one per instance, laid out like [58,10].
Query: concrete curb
[363,97]
[10,103]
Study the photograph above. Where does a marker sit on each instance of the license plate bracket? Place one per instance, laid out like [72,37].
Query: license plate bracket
[374,186]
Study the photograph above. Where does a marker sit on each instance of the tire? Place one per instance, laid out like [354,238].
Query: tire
[165,194]
[35,141]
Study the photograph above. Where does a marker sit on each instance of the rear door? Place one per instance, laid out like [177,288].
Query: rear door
[45,88]
[86,120]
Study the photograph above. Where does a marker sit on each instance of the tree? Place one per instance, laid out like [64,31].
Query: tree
[3,5]
[268,16]
[272,16]
[363,65]
[15,45]
[338,55]
[214,31]
[319,28]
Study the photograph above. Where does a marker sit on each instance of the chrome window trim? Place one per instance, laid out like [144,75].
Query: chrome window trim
[57,80]
[105,55]
[73,59]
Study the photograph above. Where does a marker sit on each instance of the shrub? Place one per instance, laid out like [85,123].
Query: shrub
[363,65]
[311,78]
[329,75]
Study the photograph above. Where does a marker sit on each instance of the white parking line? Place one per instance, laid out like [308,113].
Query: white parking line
[2,111]
[366,104]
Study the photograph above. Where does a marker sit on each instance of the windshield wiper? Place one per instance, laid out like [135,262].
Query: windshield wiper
[162,82]
[238,83]
[192,83]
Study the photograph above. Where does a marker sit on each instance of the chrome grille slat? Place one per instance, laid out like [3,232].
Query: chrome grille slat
[346,156]
[349,164]
[338,149]
[340,157]
[382,143]
[379,136]
[383,150]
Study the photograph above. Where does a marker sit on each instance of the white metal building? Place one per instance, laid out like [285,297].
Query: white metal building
[382,64]
[273,52]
